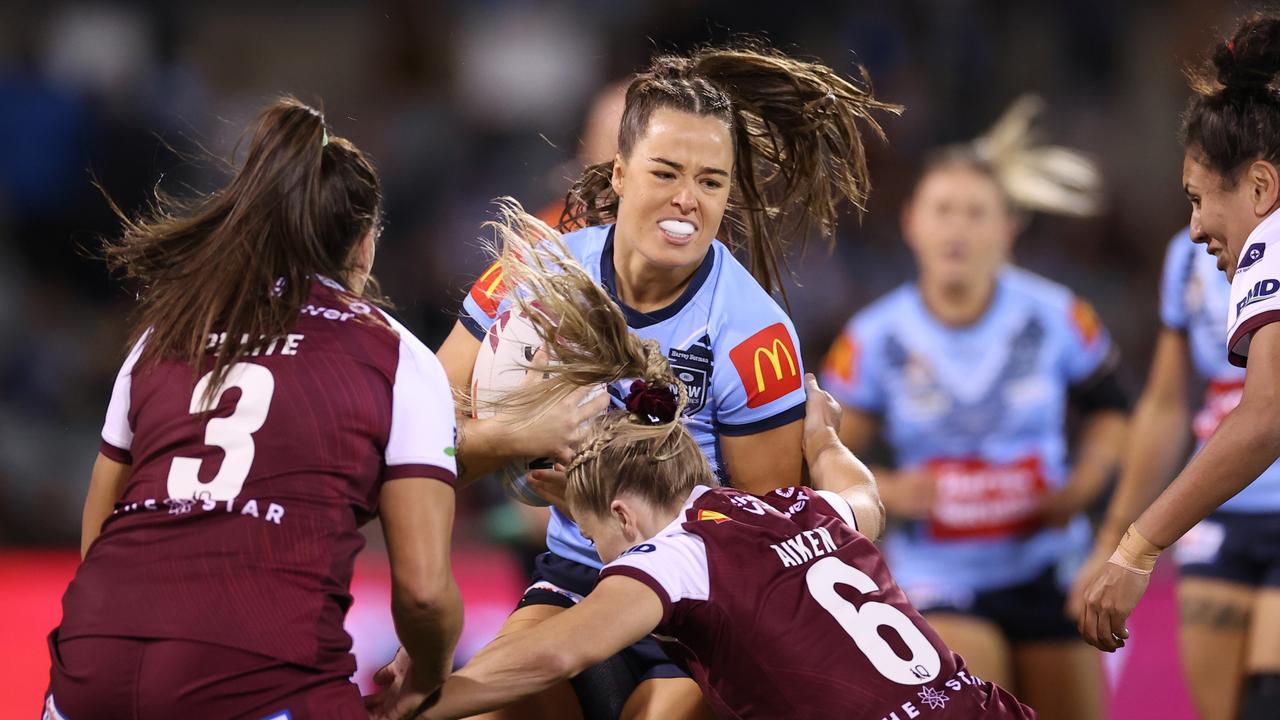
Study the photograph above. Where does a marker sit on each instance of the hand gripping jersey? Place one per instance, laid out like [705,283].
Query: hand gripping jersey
[983,408]
[240,527]
[781,609]
[727,340]
[1194,299]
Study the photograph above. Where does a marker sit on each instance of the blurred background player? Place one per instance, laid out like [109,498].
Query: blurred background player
[1231,174]
[266,411]
[745,135]
[967,374]
[726,575]
[1223,565]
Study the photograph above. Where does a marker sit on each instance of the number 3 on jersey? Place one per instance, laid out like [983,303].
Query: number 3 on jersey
[234,434]
[863,623]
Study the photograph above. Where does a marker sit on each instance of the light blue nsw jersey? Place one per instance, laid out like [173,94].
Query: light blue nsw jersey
[731,345]
[983,408]
[1194,299]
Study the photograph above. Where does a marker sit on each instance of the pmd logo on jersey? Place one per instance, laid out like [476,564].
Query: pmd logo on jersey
[1252,254]
[693,367]
[767,364]
[641,548]
[1261,290]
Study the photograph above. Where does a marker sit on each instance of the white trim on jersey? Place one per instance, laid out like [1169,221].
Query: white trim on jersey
[675,558]
[422,411]
[1255,289]
[840,505]
[116,430]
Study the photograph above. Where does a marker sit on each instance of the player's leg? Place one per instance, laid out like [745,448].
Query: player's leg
[1215,610]
[1055,672]
[979,641]
[1261,696]
[1061,679]
[667,699]
[1213,626]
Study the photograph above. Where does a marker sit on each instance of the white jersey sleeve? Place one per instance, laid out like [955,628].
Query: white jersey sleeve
[117,430]
[673,565]
[1255,289]
[423,426]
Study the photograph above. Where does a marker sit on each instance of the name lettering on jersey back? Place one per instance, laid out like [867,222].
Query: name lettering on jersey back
[285,345]
[808,545]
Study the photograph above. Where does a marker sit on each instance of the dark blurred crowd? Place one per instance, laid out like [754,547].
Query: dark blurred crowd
[463,102]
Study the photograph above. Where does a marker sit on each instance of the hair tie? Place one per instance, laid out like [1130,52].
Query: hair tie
[324,138]
[1231,48]
[656,405]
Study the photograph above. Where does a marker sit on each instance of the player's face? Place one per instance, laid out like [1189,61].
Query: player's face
[959,227]
[1221,217]
[673,189]
[605,532]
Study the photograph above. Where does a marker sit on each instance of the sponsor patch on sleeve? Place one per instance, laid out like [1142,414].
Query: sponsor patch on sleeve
[841,358]
[489,289]
[1086,321]
[767,364]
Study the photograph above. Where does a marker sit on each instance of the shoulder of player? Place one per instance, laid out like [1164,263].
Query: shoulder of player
[1037,292]
[740,307]
[409,345]
[586,244]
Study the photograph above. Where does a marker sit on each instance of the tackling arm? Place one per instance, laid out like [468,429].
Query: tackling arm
[617,613]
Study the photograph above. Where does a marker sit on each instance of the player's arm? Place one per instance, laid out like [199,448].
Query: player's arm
[1245,443]
[1243,446]
[105,486]
[832,467]
[1104,430]
[617,613]
[417,521]
[766,460]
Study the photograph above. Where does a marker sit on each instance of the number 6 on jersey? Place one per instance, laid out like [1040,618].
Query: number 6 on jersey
[863,624]
[234,434]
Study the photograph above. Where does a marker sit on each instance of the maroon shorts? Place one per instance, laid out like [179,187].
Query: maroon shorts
[141,679]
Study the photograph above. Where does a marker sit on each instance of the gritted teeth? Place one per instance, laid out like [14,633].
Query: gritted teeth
[677,227]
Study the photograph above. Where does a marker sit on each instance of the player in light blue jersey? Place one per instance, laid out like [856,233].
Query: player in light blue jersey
[1234,554]
[967,374]
[686,161]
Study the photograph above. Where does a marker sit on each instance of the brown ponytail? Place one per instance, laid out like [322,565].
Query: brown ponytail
[241,260]
[797,129]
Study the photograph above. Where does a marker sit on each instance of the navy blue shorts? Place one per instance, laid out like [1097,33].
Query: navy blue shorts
[563,583]
[1034,611]
[1233,546]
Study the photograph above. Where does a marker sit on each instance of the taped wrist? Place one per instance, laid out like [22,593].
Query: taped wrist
[1135,553]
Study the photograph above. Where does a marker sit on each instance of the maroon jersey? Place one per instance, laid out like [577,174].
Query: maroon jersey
[780,608]
[240,526]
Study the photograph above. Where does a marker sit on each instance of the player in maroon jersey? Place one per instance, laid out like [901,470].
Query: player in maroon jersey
[780,605]
[267,410]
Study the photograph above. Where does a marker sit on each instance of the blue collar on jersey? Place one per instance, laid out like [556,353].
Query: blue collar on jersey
[635,318]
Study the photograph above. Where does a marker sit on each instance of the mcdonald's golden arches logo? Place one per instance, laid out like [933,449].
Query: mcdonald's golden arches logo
[767,364]
[489,290]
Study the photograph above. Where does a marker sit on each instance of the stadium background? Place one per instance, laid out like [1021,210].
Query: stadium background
[462,102]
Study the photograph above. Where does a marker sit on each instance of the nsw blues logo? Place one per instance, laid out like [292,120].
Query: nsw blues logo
[693,367]
[1252,254]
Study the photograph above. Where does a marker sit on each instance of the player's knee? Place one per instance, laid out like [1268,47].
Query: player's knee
[1261,696]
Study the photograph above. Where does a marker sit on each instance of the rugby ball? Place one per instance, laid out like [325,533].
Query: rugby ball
[505,352]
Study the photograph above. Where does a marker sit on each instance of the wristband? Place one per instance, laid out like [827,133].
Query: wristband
[1135,553]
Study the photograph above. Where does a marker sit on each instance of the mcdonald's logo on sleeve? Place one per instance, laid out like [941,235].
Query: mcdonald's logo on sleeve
[1086,321]
[842,359]
[767,364]
[489,290]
